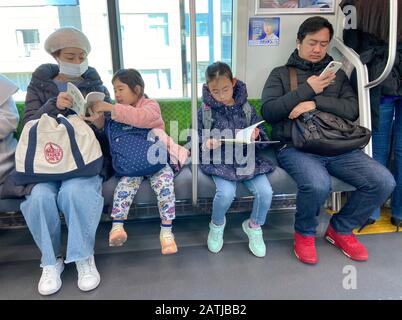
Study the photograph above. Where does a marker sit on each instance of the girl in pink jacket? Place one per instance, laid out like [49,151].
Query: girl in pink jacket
[135,109]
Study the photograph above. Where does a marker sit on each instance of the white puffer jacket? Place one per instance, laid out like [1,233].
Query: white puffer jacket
[8,125]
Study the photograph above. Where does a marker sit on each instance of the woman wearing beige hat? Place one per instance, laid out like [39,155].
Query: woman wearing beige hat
[79,199]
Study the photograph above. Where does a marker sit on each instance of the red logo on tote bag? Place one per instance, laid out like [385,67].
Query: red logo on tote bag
[53,153]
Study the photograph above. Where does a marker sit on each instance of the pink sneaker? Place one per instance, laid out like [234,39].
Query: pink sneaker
[168,243]
[117,236]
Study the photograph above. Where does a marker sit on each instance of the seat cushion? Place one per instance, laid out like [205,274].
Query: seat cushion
[281,184]
[9,205]
[280,180]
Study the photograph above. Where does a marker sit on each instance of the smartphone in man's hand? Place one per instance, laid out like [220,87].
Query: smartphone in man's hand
[333,67]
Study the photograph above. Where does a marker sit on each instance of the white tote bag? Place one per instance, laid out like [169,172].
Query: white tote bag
[52,149]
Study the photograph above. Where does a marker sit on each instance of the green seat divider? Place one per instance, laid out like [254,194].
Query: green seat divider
[257,105]
[180,110]
[175,112]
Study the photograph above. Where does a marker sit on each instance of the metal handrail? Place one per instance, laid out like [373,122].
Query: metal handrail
[393,43]
[362,80]
[363,83]
[194,102]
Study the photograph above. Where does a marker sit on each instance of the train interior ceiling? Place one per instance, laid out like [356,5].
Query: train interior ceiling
[138,270]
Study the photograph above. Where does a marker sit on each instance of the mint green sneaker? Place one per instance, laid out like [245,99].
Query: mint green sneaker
[255,240]
[215,237]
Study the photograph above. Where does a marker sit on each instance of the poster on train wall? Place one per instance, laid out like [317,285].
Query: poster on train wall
[264,7]
[264,32]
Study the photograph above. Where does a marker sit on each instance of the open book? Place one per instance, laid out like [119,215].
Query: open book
[244,136]
[81,104]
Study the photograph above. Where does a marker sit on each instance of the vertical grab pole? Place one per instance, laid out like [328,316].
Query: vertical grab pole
[194,102]
[392,43]
[362,73]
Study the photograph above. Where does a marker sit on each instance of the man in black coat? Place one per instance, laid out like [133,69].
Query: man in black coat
[329,93]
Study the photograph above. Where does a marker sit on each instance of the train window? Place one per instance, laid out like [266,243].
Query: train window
[27,40]
[155,39]
[159,78]
[150,27]
[152,41]
[26,24]
[201,24]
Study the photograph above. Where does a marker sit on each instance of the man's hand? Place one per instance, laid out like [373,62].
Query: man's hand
[64,101]
[320,83]
[212,144]
[302,108]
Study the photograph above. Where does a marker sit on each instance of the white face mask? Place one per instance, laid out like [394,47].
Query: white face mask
[73,70]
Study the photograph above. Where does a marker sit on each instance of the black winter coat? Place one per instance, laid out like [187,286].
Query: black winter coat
[42,91]
[41,98]
[374,53]
[278,100]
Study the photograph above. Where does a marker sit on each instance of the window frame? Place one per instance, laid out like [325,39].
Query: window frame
[117,46]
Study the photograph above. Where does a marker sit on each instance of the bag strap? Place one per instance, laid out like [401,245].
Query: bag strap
[79,161]
[248,112]
[206,116]
[312,127]
[293,78]
[31,150]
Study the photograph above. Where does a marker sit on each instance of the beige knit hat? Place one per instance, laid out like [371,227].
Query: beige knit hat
[67,37]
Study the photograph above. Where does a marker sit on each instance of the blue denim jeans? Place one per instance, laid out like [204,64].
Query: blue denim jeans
[226,192]
[81,202]
[373,183]
[388,132]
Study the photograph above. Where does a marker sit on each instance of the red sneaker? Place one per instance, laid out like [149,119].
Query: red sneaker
[348,243]
[304,248]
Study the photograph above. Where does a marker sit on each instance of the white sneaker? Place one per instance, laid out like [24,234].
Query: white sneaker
[50,281]
[88,275]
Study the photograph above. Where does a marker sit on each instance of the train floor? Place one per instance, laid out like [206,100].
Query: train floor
[138,270]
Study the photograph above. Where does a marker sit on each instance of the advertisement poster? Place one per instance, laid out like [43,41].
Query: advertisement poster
[263,7]
[264,32]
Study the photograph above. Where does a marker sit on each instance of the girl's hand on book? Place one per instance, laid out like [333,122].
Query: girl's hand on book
[64,101]
[96,118]
[102,106]
[255,134]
